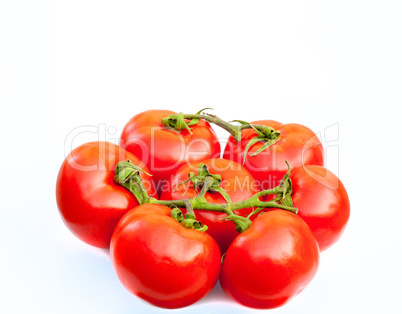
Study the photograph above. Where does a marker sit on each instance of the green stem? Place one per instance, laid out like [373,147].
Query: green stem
[241,223]
[200,203]
[177,121]
[234,130]
[187,221]
[128,176]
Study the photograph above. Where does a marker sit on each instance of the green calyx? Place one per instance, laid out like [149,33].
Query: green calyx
[284,196]
[188,221]
[128,175]
[179,123]
[283,193]
[199,180]
[241,223]
[205,182]
[265,134]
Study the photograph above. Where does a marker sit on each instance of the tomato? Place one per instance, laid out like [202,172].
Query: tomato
[89,201]
[162,262]
[322,202]
[297,144]
[271,262]
[236,181]
[164,150]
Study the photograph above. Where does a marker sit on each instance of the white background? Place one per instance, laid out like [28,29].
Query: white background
[67,64]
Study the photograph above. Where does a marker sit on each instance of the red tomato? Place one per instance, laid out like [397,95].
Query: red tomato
[89,200]
[165,150]
[236,181]
[162,262]
[298,145]
[271,262]
[322,202]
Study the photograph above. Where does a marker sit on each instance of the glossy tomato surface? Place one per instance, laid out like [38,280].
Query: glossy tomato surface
[236,181]
[162,262]
[298,145]
[89,200]
[164,150]
[271,262]
[322,202]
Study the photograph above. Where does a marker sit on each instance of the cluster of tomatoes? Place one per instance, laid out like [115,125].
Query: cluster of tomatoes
[250,221]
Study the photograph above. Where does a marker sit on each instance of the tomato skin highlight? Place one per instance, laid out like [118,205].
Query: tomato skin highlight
[162,262]
[271,262]
[236,181]
[298,145]
[89,201]
[322,202]
[165,150]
